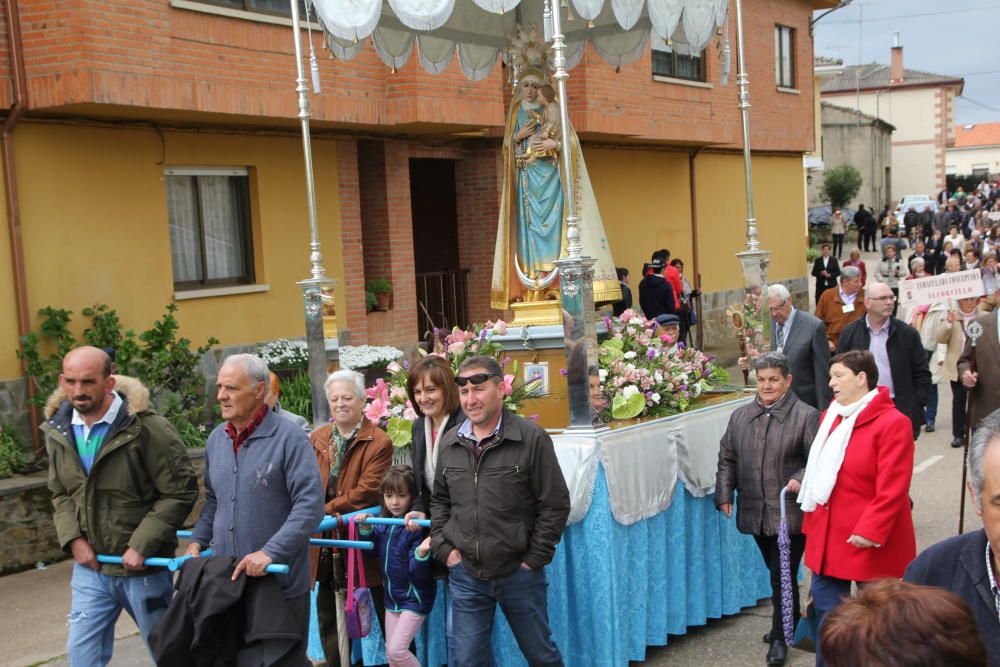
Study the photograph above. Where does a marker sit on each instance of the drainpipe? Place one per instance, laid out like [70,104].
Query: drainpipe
[17,109]
[695,272]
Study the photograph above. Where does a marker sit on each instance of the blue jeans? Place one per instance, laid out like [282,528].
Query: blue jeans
[523,598]
[930,412]
[827,593]
[98,600]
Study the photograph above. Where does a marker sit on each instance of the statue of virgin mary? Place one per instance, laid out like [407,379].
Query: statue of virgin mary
[531,231]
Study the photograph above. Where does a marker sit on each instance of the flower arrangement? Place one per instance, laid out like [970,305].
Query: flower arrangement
[360,357]
[389,406]
[650,375]
[284,353]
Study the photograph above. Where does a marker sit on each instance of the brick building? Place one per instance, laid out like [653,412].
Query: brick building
[158,161]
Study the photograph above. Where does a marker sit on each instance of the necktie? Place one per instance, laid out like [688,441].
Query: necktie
[781,337]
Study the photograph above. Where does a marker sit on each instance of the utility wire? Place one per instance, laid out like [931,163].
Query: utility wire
[909,16]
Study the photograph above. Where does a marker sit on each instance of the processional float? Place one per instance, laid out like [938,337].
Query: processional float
[555,278]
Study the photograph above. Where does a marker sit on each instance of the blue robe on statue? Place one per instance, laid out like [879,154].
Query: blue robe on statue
[539,209]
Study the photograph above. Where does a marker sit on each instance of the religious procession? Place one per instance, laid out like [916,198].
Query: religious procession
[558,363]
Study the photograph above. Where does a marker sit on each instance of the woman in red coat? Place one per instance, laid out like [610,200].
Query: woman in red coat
[855,493]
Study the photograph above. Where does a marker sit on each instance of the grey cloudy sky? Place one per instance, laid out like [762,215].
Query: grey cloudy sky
[957,37]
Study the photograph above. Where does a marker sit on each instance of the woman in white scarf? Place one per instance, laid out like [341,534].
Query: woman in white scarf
[855,492]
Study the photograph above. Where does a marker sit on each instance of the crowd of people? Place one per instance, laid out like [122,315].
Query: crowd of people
[838,435]
[122,483]
[841,397]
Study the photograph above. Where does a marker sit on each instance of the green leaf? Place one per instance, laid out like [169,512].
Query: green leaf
[627,408]
[400,431]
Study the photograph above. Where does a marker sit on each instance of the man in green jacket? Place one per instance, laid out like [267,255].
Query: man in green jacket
[121,484]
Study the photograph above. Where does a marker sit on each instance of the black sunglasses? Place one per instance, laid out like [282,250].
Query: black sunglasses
[476,379]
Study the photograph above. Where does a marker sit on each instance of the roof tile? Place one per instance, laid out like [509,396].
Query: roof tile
[876,75]
[980,134]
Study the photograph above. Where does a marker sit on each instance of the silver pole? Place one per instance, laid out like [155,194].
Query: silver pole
[316,287]
[743,80]
[574,248]
[753,260]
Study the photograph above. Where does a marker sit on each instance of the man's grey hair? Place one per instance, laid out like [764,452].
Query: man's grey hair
[850,273]
[354,378]
[255,368]
[779,291]
[772,360]
[988,433]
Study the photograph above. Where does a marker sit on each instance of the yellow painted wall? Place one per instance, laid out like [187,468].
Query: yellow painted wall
[9,366]
[93,202]
[779,201]
[645,204]
[644,198]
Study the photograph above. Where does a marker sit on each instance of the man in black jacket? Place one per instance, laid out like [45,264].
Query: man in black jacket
[498,510]
[825,271]
[656,295]
[865,222]
[899,354]
[967,565]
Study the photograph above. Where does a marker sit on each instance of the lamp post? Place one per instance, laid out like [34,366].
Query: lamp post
[317,287]
[576,271]
[754,261]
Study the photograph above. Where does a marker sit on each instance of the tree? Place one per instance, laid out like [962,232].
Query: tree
[841,185]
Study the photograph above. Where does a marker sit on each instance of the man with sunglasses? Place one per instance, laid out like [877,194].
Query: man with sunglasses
[498,510]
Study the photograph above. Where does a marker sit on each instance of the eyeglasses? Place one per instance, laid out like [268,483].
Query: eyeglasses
[476,379]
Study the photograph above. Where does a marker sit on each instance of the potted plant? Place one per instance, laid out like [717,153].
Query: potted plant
[382,289]
[370,300]
[285,357]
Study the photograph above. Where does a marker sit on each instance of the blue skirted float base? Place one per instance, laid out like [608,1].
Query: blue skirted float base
[615,589]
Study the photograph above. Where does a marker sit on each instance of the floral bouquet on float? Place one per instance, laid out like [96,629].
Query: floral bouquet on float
[646,374]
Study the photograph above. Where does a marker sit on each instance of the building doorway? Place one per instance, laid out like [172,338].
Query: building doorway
[442,285]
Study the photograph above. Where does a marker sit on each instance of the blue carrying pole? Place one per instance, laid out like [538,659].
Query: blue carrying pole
[341,544]
[331,522]
[382,521]
[172,564]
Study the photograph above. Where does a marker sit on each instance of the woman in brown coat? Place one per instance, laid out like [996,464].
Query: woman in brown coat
[353,455]
[765,448]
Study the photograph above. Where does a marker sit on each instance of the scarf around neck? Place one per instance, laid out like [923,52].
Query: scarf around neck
[827,452]
[433,440]
[338,445]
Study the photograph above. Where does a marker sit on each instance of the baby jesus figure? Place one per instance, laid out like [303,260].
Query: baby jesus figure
[547,122]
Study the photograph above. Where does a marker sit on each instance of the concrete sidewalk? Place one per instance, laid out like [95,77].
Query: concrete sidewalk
[35,604]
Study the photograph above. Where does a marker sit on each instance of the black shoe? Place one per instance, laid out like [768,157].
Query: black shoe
[777,655]
[957,442]
[929,428]
[768,638]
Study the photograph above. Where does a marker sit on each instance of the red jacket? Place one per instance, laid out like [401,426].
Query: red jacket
[673,276]
[870,499]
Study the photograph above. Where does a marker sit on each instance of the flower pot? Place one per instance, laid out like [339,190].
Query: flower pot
[382,300]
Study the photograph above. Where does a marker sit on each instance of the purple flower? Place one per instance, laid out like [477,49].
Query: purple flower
[406,365]
[683,387]
[482,335]
[533,418]
[563,372]
[651,354]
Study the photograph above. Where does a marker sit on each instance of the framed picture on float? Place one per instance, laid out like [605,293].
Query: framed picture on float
[535,371]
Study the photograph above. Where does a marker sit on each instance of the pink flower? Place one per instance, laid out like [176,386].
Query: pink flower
[376,410]
[508,385]
[457,347]
[379,392]
[500,328]
[627,315]
[393,367]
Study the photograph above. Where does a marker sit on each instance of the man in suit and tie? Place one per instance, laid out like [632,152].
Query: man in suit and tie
[825,271]
[801,337]
[984,382]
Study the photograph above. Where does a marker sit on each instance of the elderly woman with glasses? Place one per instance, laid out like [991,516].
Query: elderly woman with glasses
[353,455]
